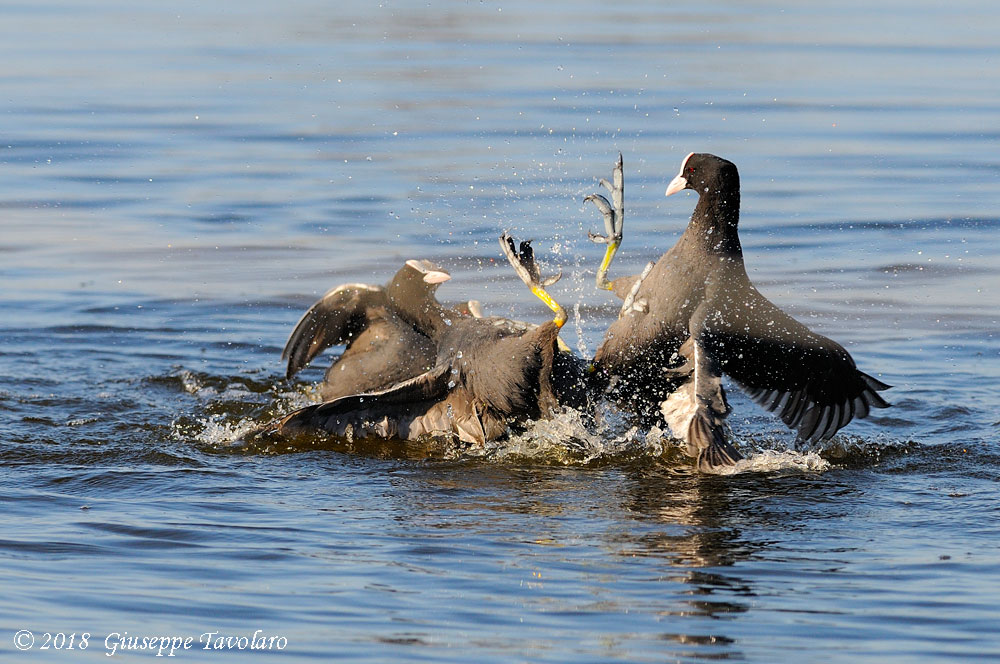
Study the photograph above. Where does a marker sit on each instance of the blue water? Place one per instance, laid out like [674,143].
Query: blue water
[181,180]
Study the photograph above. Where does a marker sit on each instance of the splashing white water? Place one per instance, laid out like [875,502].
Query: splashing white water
[190,382]
[571,438]
[216,431]
[581,343]
[234,391]
[229,404]
[769,461]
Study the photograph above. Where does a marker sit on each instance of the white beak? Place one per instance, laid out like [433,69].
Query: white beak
[677,184]
[426,268]
[435,277]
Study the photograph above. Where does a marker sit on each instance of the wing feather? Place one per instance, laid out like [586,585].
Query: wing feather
[427,387]
[811,382]
[334,319]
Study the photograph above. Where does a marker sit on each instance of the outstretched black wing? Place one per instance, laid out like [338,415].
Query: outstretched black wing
[808,380]
[337,317]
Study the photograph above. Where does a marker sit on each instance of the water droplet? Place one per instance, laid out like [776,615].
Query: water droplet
[451,384]
[459,355]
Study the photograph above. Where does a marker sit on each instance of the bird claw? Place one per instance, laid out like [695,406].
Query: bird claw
[553,279]
[641,304]
[613,210]
[522,259]
[614,220]
[598,239]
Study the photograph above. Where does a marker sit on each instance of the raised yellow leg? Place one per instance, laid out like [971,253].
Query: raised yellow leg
[523,262]
[602,271]
[544,296]
[614,221]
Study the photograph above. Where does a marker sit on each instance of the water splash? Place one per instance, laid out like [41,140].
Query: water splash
[770,461]
[572,438]
[581,342]
[569,437]
[228,410]
[215,431]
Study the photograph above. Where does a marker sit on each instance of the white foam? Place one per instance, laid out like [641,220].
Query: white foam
[226,429]
[570,438]
[218,432]
[566,438]
[190,383]
[769,461]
